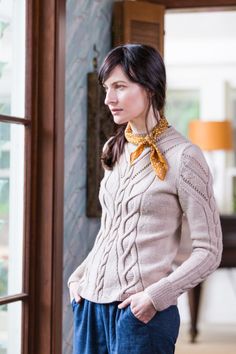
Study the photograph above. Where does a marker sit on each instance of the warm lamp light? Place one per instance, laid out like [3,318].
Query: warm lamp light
[211,135]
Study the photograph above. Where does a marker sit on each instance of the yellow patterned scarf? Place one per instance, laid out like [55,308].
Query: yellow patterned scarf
[158,161]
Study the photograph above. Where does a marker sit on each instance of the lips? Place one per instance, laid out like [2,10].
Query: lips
[116,110]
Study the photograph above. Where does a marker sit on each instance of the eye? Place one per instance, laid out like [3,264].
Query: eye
[120,86]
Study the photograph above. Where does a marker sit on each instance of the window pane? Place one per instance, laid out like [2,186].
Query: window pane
[12,57]
[11,207]
[10,328]
[182,106]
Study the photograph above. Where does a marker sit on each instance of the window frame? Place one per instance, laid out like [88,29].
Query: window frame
[41,296]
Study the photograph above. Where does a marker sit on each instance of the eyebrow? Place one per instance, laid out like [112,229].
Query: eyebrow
[116,82]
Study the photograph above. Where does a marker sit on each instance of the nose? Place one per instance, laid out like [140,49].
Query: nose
[110,97]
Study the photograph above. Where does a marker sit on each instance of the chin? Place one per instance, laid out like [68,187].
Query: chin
[120,121]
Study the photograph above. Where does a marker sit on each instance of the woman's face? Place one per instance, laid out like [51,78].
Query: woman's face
[127,100]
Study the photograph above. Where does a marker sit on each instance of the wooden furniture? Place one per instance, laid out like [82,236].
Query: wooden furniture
[100,126]
[138,22]
[228,223]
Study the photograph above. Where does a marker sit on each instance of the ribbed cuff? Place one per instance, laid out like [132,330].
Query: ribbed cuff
[161,294]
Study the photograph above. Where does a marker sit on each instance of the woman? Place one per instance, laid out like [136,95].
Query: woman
[124,294]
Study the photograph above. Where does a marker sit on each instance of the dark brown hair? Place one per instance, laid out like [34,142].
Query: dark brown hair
[144,65]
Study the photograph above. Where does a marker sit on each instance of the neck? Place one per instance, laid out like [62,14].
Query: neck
[138,124]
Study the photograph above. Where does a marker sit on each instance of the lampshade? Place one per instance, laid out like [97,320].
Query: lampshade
[211,135]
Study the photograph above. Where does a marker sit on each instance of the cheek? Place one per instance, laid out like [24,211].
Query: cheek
[134,101]
[138,104]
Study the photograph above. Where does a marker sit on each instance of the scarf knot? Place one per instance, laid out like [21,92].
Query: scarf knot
[158,162]
[149,140]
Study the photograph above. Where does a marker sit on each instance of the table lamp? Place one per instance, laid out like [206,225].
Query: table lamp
[211,135]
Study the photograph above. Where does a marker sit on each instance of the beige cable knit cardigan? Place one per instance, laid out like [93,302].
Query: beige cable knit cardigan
[141,227]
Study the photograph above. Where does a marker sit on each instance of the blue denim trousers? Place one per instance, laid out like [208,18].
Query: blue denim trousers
[106,329]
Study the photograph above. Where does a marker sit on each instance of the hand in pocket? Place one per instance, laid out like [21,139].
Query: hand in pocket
[74,292]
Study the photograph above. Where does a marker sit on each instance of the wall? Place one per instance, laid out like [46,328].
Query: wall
[88,23]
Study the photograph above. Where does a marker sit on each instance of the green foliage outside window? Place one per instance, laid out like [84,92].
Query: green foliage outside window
[4,197]
[3,26]
[5,108]
[3,278]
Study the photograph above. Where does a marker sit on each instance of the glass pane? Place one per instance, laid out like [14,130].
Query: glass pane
[11,207]
[10,328]
[12,57]
[182,106]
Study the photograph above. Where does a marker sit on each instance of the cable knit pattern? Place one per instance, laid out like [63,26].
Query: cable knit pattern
[141,225]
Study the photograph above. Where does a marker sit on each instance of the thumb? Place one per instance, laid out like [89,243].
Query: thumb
[125,303]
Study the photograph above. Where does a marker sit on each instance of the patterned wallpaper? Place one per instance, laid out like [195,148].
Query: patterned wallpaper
[88,23]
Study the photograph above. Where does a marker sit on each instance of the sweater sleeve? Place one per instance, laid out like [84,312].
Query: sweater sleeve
[196,197]
[78,273]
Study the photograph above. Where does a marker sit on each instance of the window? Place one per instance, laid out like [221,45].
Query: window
[31,175]
[12,161]
[182,106]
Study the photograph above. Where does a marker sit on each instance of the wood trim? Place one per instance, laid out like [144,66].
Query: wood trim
[29,248]
[58,216]
[16,120]
[42,195]
[44,228]
[12,298]
[181,4]
[30,59]
[100,126]
[31,168]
